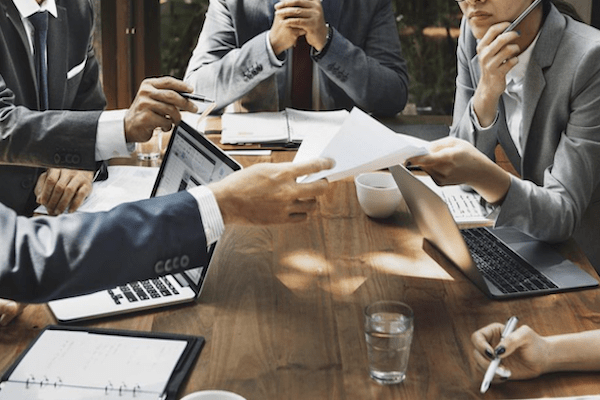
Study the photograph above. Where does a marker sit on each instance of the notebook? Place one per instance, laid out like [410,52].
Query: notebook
[190,160]
[502,262]
[70,363]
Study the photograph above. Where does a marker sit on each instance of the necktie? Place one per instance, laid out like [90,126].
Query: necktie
[39,20]
[302,75]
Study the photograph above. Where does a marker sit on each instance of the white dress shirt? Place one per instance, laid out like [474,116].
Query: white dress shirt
[513,96]
[110,138]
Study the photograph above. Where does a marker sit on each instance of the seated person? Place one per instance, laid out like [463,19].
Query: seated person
[526,355]
[45,258]
[252,54]
[535,91]
[72,83]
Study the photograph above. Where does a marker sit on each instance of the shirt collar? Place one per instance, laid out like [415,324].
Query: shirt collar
[517,73]
[29,7]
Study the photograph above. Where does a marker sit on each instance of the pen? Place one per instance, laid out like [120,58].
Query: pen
[521,17]
[197,97]
[491,371]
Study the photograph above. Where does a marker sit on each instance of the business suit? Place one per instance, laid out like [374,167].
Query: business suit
[559,195]
[50,257]
[362,66]
[73,80]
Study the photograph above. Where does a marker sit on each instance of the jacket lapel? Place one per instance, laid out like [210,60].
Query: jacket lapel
[542,57]
[12,14]
[58,57]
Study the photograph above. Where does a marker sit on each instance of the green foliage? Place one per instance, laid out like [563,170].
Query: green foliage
[431,59]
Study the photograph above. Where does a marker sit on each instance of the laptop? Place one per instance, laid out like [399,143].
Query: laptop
[502,262]
[190,160]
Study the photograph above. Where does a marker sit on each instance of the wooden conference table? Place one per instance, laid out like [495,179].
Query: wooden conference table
[282,312]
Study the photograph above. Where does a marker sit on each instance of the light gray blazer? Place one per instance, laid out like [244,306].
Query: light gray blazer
[363,65]
[559,194]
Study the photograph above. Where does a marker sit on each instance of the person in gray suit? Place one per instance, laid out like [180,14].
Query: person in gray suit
[535,91]
[246,49]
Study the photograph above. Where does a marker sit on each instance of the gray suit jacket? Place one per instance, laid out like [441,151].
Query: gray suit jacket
[363,65]
[69,50]
[559,194]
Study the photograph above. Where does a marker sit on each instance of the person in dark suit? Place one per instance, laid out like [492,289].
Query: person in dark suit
[248,51]
[45,258]
[534,91]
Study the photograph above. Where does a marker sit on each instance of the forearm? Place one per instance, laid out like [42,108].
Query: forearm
[573,352]
[490,181]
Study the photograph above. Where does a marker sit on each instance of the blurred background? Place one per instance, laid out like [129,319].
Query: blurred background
[157,37]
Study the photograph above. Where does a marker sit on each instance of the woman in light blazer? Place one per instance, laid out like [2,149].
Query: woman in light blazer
[535,91]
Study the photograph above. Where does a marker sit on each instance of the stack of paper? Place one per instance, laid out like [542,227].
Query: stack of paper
[287,126]
[362,144]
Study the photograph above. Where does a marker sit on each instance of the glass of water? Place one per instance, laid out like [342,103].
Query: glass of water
[389,329]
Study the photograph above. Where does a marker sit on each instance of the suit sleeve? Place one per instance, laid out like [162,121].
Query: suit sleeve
[221,70]
[374,75]
[462,122]
[68,140]
[46,258]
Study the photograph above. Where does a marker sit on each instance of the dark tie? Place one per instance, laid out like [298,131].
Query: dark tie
[39,20]
[302,75]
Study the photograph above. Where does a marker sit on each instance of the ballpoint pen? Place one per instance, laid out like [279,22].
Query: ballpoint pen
[196,97]
[491,371]
[521,17]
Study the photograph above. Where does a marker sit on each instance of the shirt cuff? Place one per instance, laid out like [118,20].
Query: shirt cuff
[212,220]
[278,62]
[110,138]
[475,120]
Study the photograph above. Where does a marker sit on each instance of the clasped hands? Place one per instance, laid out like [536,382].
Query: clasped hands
[295,18]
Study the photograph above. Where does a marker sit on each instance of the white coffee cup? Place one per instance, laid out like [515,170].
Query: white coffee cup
[378,194]
[213,395]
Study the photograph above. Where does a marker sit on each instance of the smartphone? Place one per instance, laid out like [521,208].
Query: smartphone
[522,16]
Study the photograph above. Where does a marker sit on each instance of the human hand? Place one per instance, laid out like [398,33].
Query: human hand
[156,105]
[524,353]
[453,161]
[63,189]
[9,310]
[497,54]
[281,35]
[269,194]
[306,17]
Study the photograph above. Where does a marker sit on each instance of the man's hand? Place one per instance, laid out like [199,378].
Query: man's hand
[63,189]
[156,105]
[268,193]
[304,17]
[9,310]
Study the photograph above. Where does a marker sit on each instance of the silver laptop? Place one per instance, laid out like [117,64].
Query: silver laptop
[502,262]
[190,160]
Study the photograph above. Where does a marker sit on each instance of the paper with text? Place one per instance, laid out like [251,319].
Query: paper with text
[74,359]
[286,126]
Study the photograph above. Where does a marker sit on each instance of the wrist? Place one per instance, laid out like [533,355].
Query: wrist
[485,107]
[317,52]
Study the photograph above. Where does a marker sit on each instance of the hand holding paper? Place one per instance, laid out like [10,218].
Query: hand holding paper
[361,145]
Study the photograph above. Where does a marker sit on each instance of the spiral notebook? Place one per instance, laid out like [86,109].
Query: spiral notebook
[69,363]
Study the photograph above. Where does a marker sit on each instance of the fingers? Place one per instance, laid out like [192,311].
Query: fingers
[9,310]
[482,338]
[62,189]
[311,166]
[512,342]
[157,105]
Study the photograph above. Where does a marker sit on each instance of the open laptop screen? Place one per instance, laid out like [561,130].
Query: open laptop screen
[191,160]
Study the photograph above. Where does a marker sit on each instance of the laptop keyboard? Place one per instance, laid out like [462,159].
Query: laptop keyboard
[143,290]
[464,205]
[504,269]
